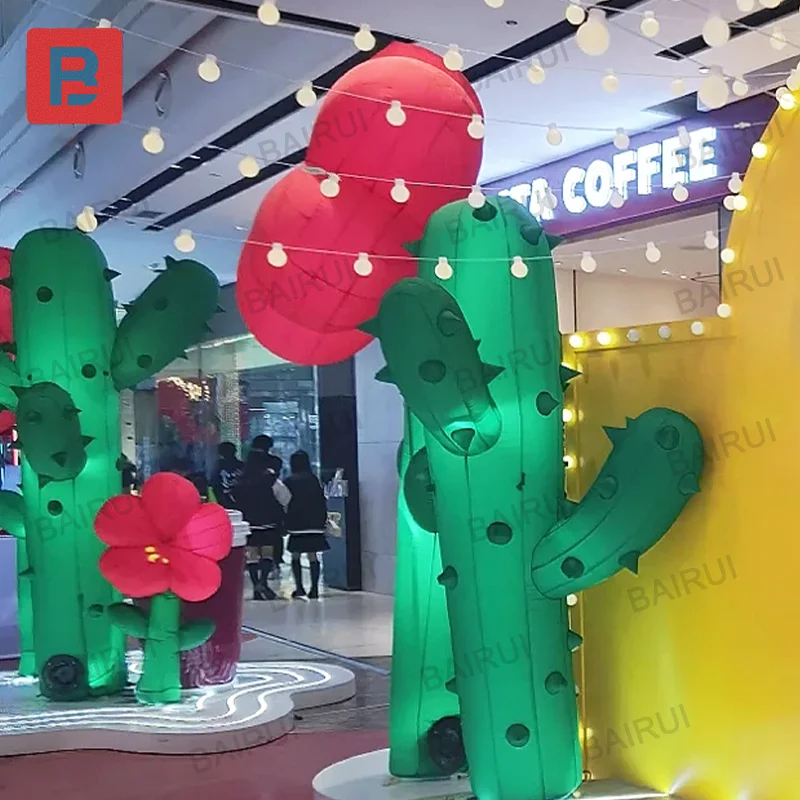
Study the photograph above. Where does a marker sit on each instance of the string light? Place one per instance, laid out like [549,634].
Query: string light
[621,139]
[494,3]
[153,141]
[248,167]
[519,269]
[649,26]
[572,599]
[713,91]
[739,202]
[443,270]
[567,415]
[364,39]
[588,264]
[476,128]
[399,191]
[575,14]
[453,59]
[268,13]
[710,240]
[208,69]
[363,265]
[329,187]
[86,220]
[184,241]
[305,95]
[536,73]
[759,150]
[727,256]
[740,87]
[610,82]
[723,310]
[793,81]
[476,198]
[554,136]
[787,101]
[277,255]
[680,193]
[569,462]
[395,115]
[104,23]
[716,31]
[770,3]
[727,202]
[592,36]
[652,253]
[777,39]
[735,183]
[677,87]
[576,340]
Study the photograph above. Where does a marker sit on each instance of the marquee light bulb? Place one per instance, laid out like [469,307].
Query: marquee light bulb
[739,202]
[727,256]
[759,150]
[104,23]
[395,115]
[519,269]
[572,599]
[248,167]
[610,82]
[716,31]
[727,202]
[305,95]
[735,183]
[569,462]
[588,264]
[621,139]
[664,332]
[575,14]
[778,39]
[476,129]
[680,193]
[649,26]
[86,220]
[652,253]
[604,338]
[554,136]
[780,92]
[536,73]
[364,39]
[476,198]
[633,336]
[443,271]
[184,241]
[697,328]
[787,101]
[616,200]
[713,91]
[208,69]
[724,310]
[567,415]
[745,6]
[400,192]
[268,13]
[153,141]
[740,87]
[453,59]
[793,81]
[592,36]
[277,255]
[363,266]
[576,340]
[329,187]
[677,87]
[710,240]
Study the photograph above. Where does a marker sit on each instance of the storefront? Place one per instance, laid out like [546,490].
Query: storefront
[643,218]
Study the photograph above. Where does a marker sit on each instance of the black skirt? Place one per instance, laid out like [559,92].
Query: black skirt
[264,537]
[313,542]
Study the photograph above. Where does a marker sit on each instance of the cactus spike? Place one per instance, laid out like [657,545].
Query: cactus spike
[220,310]
[574,640]
[630,561]
[384,376]
[207,328]
[628,421]
[128,306]
[371,326]
[170,261]
[567,374]
[110,274]
[19,391]
[60,457]
[477,343]
[87,440]
[183,355]
[16,445]
[44,480]
[451,686]
[490,372]
[615,435]
[553,240]
[413,247]
[7,282]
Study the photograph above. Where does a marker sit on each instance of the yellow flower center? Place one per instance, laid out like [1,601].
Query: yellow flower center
[154,557]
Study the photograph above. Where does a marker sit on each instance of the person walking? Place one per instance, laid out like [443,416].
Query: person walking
[262,498]
[266,443]
[306,515]
[227,473]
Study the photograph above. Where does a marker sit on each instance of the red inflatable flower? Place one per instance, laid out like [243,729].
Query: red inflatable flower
[165,540]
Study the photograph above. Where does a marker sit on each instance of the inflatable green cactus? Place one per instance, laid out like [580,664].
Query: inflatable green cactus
[512,547]
[71,361]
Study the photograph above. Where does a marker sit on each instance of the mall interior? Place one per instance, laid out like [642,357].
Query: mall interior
[288,326]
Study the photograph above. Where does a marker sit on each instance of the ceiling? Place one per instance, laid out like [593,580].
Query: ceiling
[193,184]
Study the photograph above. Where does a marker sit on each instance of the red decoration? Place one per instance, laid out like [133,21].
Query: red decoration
[307,311]
[165,540]
[7,418]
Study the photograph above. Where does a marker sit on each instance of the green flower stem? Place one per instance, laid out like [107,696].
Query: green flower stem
[161,679]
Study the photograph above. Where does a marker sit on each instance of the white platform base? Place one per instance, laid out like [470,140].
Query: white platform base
[255,708]
[366,777]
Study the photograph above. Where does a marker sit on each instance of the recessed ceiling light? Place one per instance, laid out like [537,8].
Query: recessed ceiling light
[622,269]
[703,70]
[557,263]
[240,227]
[622,238]
[684,277]
[665,272]
[175,166]
[511,22]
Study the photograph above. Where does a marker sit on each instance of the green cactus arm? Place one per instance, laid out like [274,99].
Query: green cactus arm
[195,633]
[130,619]
[12,513]
[649,476]
[170,315]
[9,377]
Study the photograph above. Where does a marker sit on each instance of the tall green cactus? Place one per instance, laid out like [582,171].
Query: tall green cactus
[69,367]
[511,546]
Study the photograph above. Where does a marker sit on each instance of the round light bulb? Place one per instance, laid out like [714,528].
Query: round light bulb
[777,39]
[569,462]
[787,101]
[476,198]
[152,141]
[453,59]
[684,140]
[633,336]
[713,91]
[567,415]
[727,202]
[572,599]
[697,328]
[364,39]
[363,265]
[395,115]
[610,82]
[716,31]
[476,128]
[184,241]
[740,87]
[727,256]
[621,139]
[739,202]
[710,240]
[680,193]
[576,340]
[400,192]
[759,150]
[652,253]
[649,26]
[104,23]
[575,14]
[735,183]
[536,73]
[329,186]
[443,271]
[616,200]
[677,87]
[770,3]
[305,95]
[554,136]
[793,81]
[208,69]
[604,338]
[86,220]
[588,264]
[268,13]
[519,269]
[277,255]
[592,36]
[494,3]
[664,332]
[723,310]
[248,167]
[745,6]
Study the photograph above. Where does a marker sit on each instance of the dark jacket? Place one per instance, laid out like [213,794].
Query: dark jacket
[227,474]
[256,500]
[307,509]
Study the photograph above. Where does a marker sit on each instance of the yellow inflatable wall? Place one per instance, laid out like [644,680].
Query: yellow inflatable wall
[689,670]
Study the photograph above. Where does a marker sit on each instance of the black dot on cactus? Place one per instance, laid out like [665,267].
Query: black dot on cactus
[448,578]
[554,682]
[668,437]
[572,567]
[54,508]
[88,370]
[432,371]
[498,533]
[95,611]
[44,294]
[545,403]
[607,487]
[485,213]
[144,361]
[33,417]
[518,735]
[161,303]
